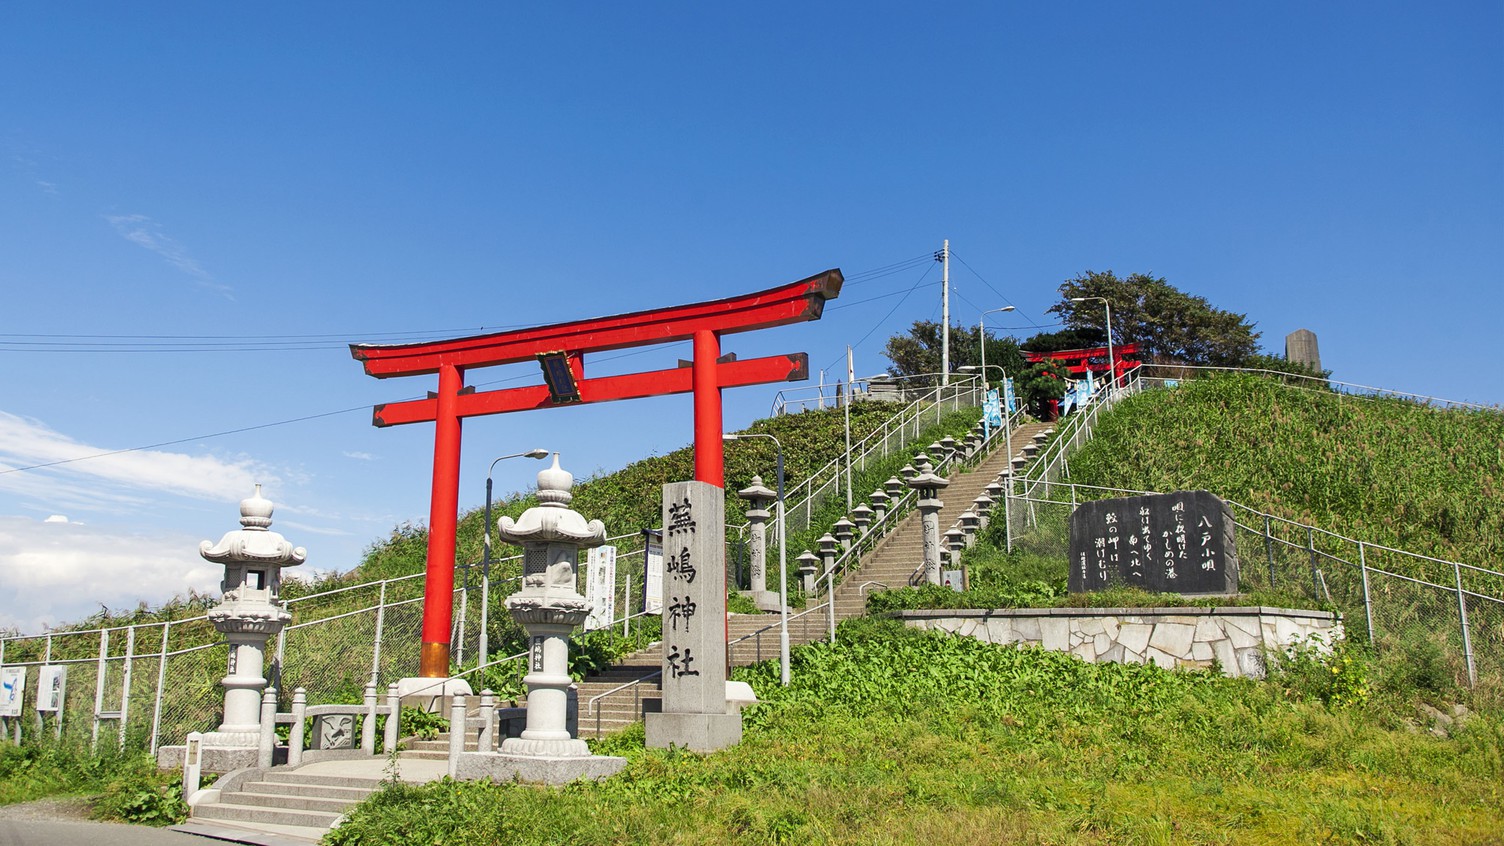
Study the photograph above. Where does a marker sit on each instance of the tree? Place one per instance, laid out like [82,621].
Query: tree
[917,353]
[1167,323]
[1067,339]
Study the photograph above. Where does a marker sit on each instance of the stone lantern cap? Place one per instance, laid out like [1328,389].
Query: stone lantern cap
[843,525]
[552,521]
[827,543]
[955,537]
[861,515]
[927,480]
[255,543]
[757,493]
[995,489]
[808,562]
[894,486]
[880,497]
[907,472]
[968,520]
[948,444]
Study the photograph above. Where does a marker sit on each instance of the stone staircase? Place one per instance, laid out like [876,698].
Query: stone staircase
[281,807]
[287,807]
[890,565]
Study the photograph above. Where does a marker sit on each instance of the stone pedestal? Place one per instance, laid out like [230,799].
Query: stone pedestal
[548,625]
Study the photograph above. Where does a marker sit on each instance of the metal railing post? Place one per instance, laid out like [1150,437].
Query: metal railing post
[1311,547]
[104,647]
[1467,640]
[1367,600]
[1269,550]
[380,630]
[156,708]
[125,682]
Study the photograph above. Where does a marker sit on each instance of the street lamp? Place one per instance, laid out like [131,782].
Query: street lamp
[783,559]
[1008,447]
[982,340]
[485,566]
[1112,368]
[847,406]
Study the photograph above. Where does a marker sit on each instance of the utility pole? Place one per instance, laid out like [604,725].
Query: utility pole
[944,258]
[850,376]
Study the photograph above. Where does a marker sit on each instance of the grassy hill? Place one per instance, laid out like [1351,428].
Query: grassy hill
[897,737]
[1386,471]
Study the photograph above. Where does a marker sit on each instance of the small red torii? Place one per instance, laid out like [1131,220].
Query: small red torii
[564,345]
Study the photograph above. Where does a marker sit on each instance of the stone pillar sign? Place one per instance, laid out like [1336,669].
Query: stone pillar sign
[695,709]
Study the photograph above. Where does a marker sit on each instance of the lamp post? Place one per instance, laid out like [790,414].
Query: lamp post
[1007,446]
[982,339]
[485,565]
[847,408]
[783,559]
[1112,367]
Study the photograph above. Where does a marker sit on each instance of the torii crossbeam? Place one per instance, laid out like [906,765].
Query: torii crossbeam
[565,344]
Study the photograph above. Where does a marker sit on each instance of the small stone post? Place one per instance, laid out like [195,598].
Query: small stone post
[929,486]
[758,497]
[880,500]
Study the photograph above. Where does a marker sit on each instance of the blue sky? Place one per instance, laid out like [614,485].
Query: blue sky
[255,186]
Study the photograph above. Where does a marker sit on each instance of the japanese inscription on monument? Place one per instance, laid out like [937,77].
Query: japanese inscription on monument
[1165,543]
[694,610]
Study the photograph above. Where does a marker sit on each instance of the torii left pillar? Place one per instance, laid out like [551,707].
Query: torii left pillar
[562,348]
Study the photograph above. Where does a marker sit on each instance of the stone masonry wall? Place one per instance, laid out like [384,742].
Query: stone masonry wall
[1236,638]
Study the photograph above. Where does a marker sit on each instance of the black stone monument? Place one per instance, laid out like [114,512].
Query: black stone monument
[1180,542]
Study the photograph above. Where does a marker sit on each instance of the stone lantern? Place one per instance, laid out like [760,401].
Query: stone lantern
[249,614]
[982,505]
[829,547]
[758,497]
[844,529]
[879,499]
[808,564]
[862,517]
[929,486]
[549,607]
[971,523]
[894,486]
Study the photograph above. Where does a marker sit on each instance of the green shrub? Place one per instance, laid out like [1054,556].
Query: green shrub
[144,796]
[1316,668]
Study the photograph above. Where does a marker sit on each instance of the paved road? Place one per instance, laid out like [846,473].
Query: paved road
[15,832]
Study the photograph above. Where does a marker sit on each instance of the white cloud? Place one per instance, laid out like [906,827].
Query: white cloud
[360,456]
[147,233]
[25,442]
[57,573]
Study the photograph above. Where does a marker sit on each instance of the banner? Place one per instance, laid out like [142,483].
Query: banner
[652,592]
[12,690]
[992,409]
[600,586]
[1009,399]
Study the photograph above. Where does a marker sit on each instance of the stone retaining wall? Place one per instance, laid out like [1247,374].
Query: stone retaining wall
[1235,638]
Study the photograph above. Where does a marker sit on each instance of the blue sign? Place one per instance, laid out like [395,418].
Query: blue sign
[992,409]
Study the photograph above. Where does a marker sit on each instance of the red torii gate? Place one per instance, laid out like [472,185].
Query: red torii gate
[564,345]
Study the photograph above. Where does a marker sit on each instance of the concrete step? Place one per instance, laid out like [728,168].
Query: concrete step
[263,834]
[257,814]
[321,779]
[284,801]
[321,791]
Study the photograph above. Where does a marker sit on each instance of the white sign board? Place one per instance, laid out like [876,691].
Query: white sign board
[652,599]
[600,586]
[954,579]
[12,690]
[51,681]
